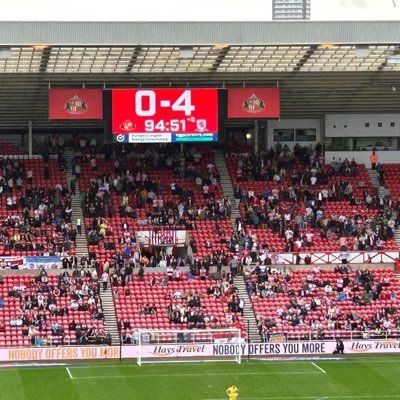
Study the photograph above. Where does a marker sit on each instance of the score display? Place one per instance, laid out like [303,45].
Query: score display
[165,115]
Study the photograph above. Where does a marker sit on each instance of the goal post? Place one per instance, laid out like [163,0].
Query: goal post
[188,345]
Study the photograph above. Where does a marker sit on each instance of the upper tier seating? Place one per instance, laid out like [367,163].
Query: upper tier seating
[392,180]
[152,190]
[326,207]
[10,149]
[35,211]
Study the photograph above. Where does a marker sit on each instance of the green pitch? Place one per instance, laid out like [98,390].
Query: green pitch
[347,378]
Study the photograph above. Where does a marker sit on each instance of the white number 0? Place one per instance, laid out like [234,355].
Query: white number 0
[139,103]
[182,103]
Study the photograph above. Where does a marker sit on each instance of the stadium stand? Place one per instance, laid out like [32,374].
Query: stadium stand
[391,176]
[291,201]
[325,304]
[49,309]
[149,191]
[35,209]
[175,300]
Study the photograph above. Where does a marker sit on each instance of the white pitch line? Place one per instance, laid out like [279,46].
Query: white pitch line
[69,374]
[183,375]
[317,397]
[252,362]
[317,366]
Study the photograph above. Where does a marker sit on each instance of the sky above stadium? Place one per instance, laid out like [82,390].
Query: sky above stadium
[189,10]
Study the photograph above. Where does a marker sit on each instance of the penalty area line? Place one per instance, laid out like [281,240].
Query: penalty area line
[194,374]
[69,373]
[318,397]
[317,366]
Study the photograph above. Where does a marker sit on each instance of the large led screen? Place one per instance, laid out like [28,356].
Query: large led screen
[165,115]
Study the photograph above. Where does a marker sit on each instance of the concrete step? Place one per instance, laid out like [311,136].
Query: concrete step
[248,312]
[110,317]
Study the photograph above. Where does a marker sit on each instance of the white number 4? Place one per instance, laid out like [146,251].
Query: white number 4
[184,103]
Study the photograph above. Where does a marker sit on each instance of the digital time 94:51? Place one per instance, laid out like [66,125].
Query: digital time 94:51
[173,125]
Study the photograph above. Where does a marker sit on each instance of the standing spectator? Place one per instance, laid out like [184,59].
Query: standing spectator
[104,279]
[374,159]
[79,226]
[46,171]
[73,187]
[77,171]
[234,265]
[29,176]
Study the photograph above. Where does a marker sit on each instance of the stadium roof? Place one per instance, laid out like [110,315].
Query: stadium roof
[321,67]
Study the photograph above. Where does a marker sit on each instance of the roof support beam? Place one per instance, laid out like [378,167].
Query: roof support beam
[307,55]
[133,59]
[224,51]
[45,59]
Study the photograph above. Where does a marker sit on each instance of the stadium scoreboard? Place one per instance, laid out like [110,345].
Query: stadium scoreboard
[164,115]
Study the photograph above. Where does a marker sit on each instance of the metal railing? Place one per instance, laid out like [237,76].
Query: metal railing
[326,335]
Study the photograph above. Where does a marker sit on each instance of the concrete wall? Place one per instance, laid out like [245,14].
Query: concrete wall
[354,125]
[362,157]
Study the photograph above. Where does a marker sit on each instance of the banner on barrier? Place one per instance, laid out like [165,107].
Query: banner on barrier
[181,350]
[34,262]
[261,349]
[59,353]
[12,262]
[227,349]
[42,262]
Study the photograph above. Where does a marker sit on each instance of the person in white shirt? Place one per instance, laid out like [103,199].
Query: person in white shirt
[298,243]
[276,178]
[105,279]
[289,234]
[205,190]
[78,171]
[309,238]
[9,203]
[313,180]
[93,164]
[82,143]
[29,176]
[199,182]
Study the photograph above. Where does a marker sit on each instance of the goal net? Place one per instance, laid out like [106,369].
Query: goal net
[188,345]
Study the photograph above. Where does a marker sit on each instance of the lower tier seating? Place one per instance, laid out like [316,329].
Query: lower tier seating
[326,302]
[170,301]
[53,309]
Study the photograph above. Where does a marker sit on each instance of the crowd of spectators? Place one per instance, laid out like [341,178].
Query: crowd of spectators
[32,210]
[43,304]
[138,184]
[157,189]
[296,207]
[325,303]
[183,306]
